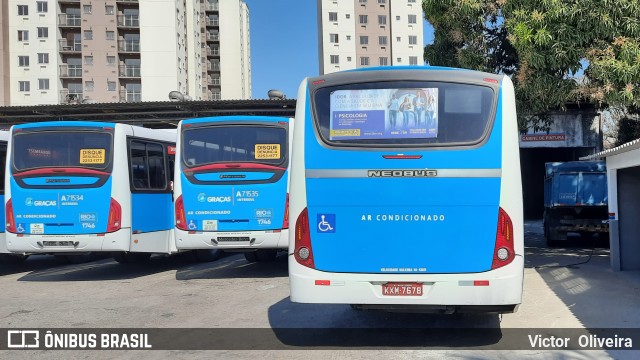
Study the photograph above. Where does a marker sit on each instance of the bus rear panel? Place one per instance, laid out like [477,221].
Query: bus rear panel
[403,193]
[232,183]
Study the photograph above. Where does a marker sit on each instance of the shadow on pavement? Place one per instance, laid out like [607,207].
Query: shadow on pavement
[235,266]
[105,269]
[337,326]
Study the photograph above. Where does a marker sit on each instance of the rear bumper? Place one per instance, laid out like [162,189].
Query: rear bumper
[440,291]
[42,244]
[271,239]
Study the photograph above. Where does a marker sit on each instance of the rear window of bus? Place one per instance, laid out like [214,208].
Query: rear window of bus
[404,113]
[235,143]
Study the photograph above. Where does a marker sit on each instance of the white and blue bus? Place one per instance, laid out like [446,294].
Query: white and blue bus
[231,186]
[77,187]
[5,255]
[406,191]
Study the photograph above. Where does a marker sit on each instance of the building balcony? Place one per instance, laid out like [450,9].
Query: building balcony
[213,67]
[67,97]
[127,1]
[213,52]
[70,71]
[129,71]
[213,37]
[130,21]
[212,22]
[213,81]
[211,7]
[70,46]
[126,96]
[131,46]
[69,20]
[69,1]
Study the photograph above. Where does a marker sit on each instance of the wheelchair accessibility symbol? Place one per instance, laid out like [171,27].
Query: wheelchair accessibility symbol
[326,223]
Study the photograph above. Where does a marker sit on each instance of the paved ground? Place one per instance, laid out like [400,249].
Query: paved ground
[568,287]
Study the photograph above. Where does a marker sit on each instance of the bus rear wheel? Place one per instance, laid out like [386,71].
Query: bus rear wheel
[123,257]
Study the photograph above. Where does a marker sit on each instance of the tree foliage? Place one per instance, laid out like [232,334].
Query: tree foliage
[556,51]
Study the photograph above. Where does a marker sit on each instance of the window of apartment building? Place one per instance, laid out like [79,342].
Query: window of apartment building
[382,19]
[413,60]
[23,10]
[111,60]
[43,58]
[134,92]
[88,85]
[413,40]
[382,40]
[383,61]
[43,32]
[348,16]
[87,9]
[23,35]
[364,40]
[333,16]
[398,17]
[364,19]
[42,6]
[398,39]
[111,86]
[348,58]
[43,84]
[88,34]
[382,1]
[412,19]
[412,1]
[333,38]
[363,1]
[108,9]
[348,37]
[24,86]
[110,35]
[335,59]
[23,60]
[364,61]
[88,60]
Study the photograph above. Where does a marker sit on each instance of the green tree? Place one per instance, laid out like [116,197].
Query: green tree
[544,45]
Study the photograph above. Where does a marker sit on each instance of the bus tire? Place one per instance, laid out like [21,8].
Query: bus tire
[13,259]
[251,256]
[207,255]
[266,255]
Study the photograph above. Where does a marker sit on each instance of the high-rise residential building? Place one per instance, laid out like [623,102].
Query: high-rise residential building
[4,54]
[362,33]
[67,51]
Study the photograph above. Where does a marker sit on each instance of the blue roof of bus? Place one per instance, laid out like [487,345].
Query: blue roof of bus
[234,118]
[63,124]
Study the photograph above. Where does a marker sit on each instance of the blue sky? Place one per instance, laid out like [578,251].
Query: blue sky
[284,44]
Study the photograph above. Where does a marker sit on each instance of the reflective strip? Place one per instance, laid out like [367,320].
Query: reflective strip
[441,173]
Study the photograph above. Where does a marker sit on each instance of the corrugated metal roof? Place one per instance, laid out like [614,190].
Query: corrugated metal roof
[631,145]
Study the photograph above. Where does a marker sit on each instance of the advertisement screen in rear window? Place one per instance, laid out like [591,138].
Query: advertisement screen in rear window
[384,114]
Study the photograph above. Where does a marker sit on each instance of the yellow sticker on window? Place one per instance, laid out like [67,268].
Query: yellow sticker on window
[92,156]
[267,151]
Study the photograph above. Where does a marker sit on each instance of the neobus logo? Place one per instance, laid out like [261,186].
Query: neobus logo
[402,173]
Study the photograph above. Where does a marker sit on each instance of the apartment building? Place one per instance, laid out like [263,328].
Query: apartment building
[72,51]
[363,33]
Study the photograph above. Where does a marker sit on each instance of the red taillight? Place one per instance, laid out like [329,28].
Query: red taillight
[11,221]
[285,223]
[504,252]
[115,216]
[181,220]
[303,251]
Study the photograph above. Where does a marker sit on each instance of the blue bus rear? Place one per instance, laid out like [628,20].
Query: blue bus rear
[402,181]
[232,183]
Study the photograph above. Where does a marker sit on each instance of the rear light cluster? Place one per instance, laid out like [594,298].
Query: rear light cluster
[115,216]
[181,220]
[302,249]
[504,252]
[11,221]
